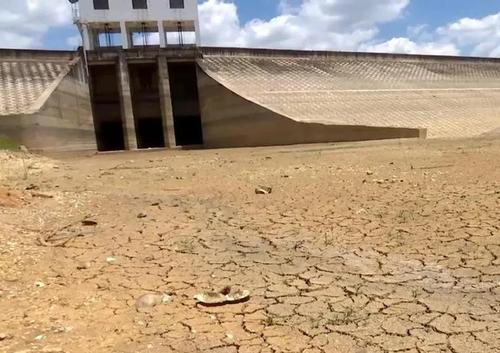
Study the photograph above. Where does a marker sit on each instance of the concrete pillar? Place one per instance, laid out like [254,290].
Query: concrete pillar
[126,104]
[166,103]
[125,35]
[88,41]
[197,32]
[163,35]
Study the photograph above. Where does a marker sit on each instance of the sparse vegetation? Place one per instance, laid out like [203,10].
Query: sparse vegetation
[273,320]
[329,239]
[7,144]
[185,246]
[350,315]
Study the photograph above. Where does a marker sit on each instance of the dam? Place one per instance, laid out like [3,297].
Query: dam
[142,80]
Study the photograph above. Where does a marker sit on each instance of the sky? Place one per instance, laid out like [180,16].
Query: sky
[443,27]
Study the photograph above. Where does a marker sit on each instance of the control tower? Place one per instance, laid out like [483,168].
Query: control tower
[136,23]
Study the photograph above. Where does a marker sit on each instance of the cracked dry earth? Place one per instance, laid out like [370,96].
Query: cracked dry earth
[360,248]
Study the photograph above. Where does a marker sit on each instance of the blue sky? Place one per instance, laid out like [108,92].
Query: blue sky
[440,12]
[455,27]
[434,13]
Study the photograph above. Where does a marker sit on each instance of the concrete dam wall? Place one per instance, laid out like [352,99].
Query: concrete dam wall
[224,97]
[44,100]
[450,97]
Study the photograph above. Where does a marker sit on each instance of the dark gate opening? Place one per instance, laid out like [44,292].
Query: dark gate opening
[106,106]
[147,107]
[185,103]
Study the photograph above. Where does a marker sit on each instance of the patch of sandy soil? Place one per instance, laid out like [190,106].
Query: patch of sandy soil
[20,165]
[359,248]
[9,198]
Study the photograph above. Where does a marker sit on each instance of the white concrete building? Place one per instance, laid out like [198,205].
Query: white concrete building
[137,23]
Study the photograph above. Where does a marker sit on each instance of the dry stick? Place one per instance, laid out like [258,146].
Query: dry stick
[25,169]
[437,166]
[44,239]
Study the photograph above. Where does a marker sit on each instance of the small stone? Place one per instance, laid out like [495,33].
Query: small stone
[150,300]
[142,215]
[369,172]
[62,329]
[39,284]
[42,195]
[83,265]
[110,260]
[89,223]
[263,190]
[39,338]
[52,350]
[4,336]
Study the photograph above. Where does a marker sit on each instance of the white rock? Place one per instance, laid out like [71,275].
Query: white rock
[150,300]
[4,336]
[263,190]
[83,265]
[52,350]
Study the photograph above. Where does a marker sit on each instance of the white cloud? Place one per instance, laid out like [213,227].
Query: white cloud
[300,24]
[220,24]
[346,25]
[481,35]
[23,23]
[467,36]
[310,24]
[407,46]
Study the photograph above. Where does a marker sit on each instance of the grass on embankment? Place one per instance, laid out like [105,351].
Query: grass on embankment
[7,144]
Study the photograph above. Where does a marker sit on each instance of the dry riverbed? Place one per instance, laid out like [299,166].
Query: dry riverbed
[358,248]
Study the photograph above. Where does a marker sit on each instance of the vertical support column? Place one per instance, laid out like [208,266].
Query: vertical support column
[88,41]
[197,31]
[126,104]
[163,36]
[166,103]
[125,35]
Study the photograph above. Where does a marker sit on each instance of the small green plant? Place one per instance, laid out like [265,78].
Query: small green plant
[186,246]
[273,320]
[7,144]
[269,321]
[329,240]
[405,216]
[350,315]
